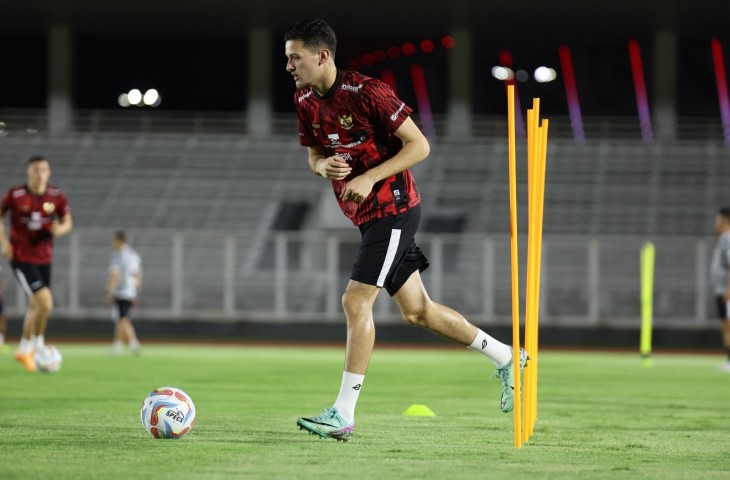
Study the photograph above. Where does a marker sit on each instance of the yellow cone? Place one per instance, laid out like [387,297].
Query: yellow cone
[419,411]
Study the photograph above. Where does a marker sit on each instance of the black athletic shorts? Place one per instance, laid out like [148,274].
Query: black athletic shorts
[388,254]
[123,308]
[32,277]
[721,308]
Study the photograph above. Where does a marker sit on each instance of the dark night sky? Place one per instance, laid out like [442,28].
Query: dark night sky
[198,73]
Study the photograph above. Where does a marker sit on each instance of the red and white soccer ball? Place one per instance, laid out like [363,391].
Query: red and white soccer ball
[168,412]
[48,359]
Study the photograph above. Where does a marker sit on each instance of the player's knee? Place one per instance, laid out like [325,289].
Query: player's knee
[352,303]
[417,316]
[43,301]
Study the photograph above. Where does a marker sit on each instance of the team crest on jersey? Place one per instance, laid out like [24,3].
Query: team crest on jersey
[49,208]
[315,125]
[345,121]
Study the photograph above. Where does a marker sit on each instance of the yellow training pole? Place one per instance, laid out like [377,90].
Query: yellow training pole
[515,263]
[533,141]
[528,286]
[647,301]
[539,210]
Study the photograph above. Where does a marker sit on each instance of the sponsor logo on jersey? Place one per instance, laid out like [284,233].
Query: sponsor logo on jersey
[400,109]
[304,97]
[351,88]
[334,139]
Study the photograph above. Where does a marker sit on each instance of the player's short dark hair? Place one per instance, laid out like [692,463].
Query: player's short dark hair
[314,33]
[724,212]
[37,158]
[120,235]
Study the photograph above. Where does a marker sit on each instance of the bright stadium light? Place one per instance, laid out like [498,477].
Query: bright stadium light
[502,73]
[134,96]
[151,97]
[123,100]
[545,74]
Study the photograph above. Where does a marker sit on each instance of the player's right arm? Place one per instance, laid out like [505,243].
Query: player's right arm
[7,249]
[332,168]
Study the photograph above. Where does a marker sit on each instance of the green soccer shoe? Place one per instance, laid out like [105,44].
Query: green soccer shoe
[329,423]
[507,377]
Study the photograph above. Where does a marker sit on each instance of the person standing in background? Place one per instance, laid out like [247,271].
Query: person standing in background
[122,288]
[39,213]
[720,277]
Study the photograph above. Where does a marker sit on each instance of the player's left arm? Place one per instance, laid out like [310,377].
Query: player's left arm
[415,149]
[111,284]
[62,226]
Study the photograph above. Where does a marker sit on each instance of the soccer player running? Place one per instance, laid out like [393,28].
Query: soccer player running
[720,276]
[39,213]
[360,136]
[122,288]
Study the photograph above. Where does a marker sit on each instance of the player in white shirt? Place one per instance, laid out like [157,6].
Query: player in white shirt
[720,277]
[122,289]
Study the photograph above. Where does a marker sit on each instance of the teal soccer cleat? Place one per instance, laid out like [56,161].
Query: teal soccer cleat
[506,375]
[329,423]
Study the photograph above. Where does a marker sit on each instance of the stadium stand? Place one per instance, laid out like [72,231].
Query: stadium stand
[182,189]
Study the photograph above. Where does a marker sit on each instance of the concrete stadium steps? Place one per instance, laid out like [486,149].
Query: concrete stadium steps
[227,180]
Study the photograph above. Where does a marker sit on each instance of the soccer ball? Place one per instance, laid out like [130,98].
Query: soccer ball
[48,359]
[168,412]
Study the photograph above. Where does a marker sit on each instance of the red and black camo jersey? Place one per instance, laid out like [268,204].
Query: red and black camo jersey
[31,217]
[356,119]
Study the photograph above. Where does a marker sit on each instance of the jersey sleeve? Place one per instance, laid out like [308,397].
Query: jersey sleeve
[62,209]
[135,264]
[306,136]
[114,263]
[5,202]
[725,249]
[384,105]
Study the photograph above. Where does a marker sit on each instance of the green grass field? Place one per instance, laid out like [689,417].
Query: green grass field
[601,415]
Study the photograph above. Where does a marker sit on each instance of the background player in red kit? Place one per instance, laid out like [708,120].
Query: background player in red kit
[360,136]
[39,212]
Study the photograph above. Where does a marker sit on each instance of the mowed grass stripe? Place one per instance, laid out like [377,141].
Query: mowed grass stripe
[600,415]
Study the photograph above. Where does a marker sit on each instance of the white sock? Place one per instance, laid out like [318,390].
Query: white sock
[349,391]
[134,344]
[2,339]
[37,341]
[497,351]
[24,346]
